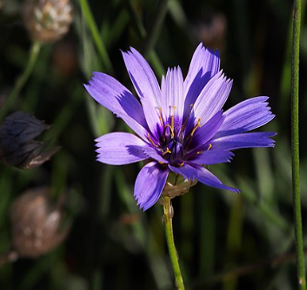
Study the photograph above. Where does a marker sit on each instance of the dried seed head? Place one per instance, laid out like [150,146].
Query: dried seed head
[47,20]
[212,30]
[36,224]
[176,185]
[18,146]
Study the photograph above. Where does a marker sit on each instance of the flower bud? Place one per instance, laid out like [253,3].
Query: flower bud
[47,20]
[36,224]
[18,146]
[176,185]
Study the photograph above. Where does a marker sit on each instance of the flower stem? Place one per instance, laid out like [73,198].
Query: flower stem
[96,35]
[157,23]
[295,144]
[34,52]
[152,55]
[168,215]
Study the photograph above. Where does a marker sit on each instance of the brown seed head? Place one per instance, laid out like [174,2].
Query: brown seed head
[212,30]
[36,224]
[47,20]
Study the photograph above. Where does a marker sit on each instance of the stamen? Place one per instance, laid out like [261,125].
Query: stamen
[172,117]
[187,118]
[152,142]
[210,146]
[160,116]
[171,129]
[181,164]
[171,126]
[167,151]
[172,122]
[196,126]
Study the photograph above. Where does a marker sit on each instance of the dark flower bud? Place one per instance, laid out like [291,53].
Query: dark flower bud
[176,185]
[18,146]
[37,224]
[47,20]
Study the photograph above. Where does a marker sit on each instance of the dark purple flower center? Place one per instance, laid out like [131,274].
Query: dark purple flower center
[173,142]
[173,151]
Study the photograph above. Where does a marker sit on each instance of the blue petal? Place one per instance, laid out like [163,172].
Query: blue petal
[203,175]
[203,134]
[204,65]
[115,97]
[146,85]
[213,157]
[246,116]
[149,185]
[120,148]
[244,140]
[206,177]
[212,97]
[154,154]
[186,171]
[172,98]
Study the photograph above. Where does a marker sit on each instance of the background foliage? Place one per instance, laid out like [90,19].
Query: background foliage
[225,241]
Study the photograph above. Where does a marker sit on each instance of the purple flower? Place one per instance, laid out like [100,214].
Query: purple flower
[180,127]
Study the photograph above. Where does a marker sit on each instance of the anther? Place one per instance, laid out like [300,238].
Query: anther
[210,146]
[172,122]
[196,126]
[160,116]
[187,118]
[171,129]
[152,142]
[172,126]
[167,151]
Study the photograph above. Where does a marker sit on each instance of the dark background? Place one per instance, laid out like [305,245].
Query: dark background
[224,240]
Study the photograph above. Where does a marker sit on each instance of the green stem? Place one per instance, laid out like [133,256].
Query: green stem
[168,215]
[156,26]
[295,144]
[136,20]
[152,55]
[96,35]
[34,52]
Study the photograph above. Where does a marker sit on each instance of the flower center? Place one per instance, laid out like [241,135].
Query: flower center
[173,151]
[173,142]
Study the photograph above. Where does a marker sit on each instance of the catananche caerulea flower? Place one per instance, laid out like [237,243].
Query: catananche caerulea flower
[179,126]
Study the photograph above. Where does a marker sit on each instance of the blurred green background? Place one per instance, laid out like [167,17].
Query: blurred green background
[224,240]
